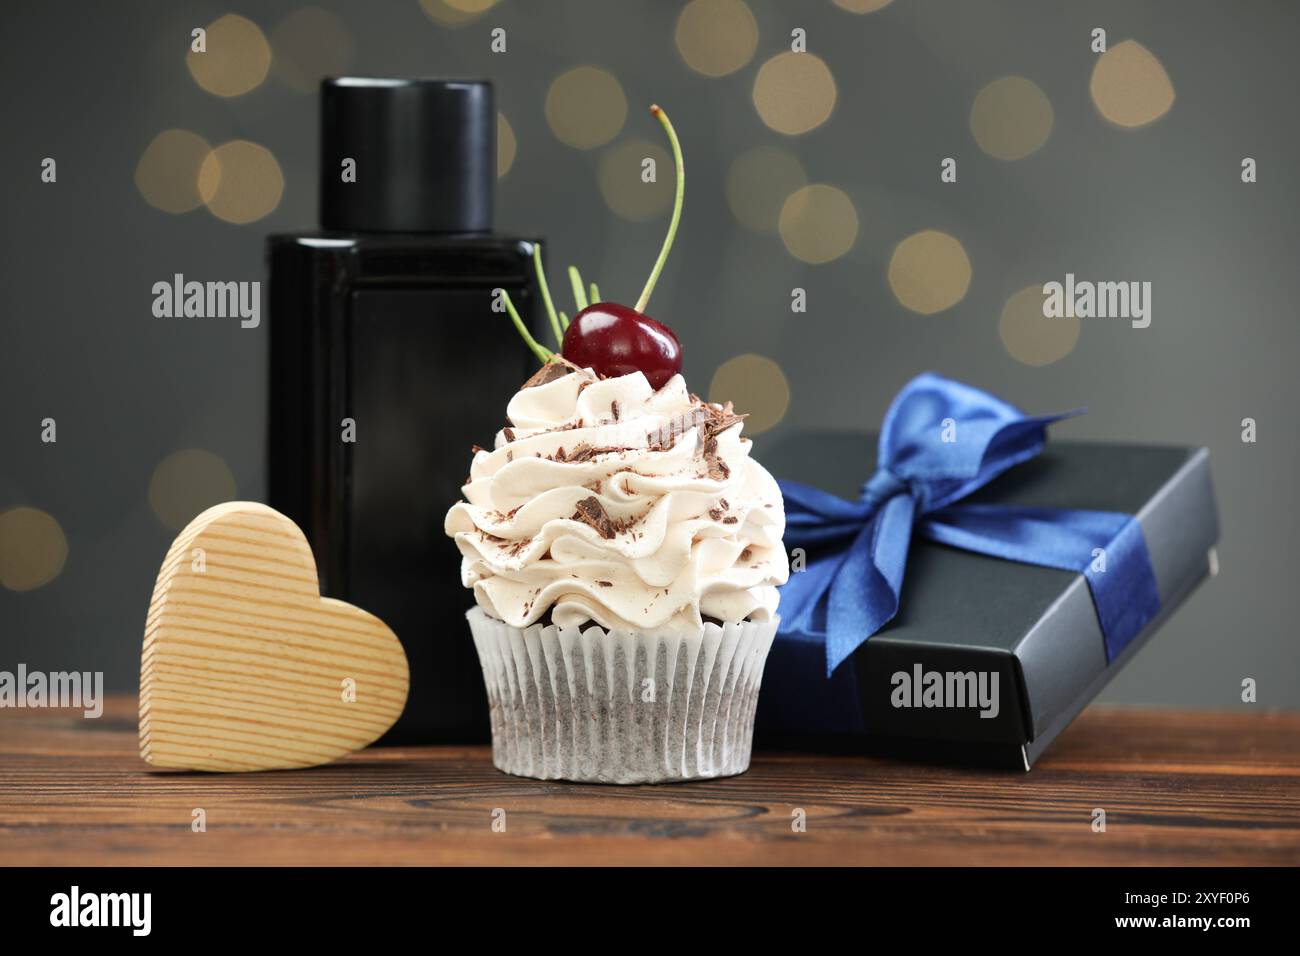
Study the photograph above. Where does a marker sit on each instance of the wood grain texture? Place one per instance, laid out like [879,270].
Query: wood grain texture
[1177,787]
[244,663]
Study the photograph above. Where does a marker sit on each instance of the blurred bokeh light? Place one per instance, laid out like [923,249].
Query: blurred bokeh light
[862,6]
[929,272]
[756,386]
[309,44]
[241,182]
[818,223]
[585,107]
[794,92]
[759,181]
[455,13]
[187,482]
[1129,85]
[1011,118]
[622,187]
[716,37]
[33,548]
[167,174]
[507,146]
[237,58]
[1031,337]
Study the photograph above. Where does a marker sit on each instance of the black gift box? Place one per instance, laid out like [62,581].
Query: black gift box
[968,617]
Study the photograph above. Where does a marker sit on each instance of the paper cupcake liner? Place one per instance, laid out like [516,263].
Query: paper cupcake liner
[621,707]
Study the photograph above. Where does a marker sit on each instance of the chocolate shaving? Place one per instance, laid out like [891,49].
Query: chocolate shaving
[592,512]
[566,427]
[584,451]
[555,369]
[513,548]
[666,436]
[509,433]
[715,514]
[730,519]
[746,554]
[721,417]
[475,449]
[606,584]
[613,409]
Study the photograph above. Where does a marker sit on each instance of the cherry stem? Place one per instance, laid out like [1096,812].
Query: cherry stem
[538,349]
[546,295]
[579,294]
[677,208]
[595,294]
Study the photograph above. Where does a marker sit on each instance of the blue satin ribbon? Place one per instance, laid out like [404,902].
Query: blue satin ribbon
[941,441]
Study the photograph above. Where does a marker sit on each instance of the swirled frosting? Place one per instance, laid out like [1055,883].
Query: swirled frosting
[605,500]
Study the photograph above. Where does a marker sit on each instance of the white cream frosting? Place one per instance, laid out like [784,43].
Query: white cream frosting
[681,523]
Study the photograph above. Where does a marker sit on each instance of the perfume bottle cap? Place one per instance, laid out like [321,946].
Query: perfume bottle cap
[406,155]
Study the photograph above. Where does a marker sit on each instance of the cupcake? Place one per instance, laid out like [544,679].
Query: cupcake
[624,551]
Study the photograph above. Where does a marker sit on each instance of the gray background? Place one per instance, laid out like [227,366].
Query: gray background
[92,83]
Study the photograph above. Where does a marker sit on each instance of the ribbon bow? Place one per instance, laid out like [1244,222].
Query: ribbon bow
[942,440]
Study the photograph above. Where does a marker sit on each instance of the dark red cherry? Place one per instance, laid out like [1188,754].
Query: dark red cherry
[614,340]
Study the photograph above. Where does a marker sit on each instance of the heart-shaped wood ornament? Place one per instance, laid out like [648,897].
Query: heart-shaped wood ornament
[245,666]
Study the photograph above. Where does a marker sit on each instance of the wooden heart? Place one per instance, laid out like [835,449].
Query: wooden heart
[245,666]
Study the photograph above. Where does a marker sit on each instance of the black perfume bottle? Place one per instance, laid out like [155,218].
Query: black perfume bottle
[387,363]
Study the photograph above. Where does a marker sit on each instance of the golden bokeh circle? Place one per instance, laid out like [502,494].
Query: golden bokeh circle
[758,182]
[929,272]
[619,176]
[1031,337]
[794,92]
[716,37]
[862,6]
[756,386]
[455,13]
[167,174]
[1011,118]
[188,482]
[310,44]
[585,107]
[237,57]
[507,145]
[1129,85]
[241,181]
[818,223]
[33,548]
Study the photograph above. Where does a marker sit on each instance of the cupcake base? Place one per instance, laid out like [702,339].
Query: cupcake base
[598,706]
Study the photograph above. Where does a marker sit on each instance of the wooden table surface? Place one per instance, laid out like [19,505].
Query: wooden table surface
[1177,788]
